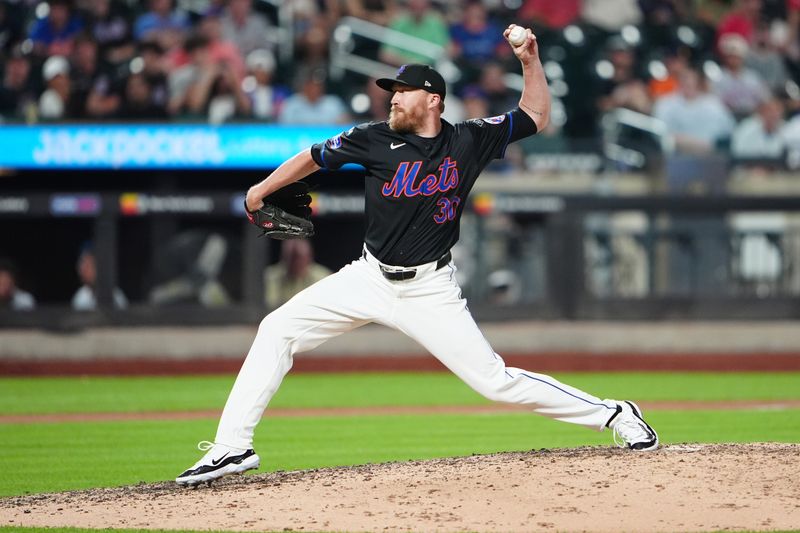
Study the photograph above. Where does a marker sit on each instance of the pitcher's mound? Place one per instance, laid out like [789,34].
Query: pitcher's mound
[688,487]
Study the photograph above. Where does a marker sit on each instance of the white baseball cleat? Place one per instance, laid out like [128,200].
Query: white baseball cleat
[630,429]
[219,460]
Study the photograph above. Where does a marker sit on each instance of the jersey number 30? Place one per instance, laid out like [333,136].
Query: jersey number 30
[447,210]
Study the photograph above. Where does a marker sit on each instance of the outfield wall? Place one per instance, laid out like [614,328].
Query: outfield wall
[545,346]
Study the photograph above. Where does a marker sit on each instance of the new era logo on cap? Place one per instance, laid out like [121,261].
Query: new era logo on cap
[417,76]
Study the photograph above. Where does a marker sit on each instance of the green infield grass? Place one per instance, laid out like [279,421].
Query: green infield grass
[142,394]
[55,457]
[46,457]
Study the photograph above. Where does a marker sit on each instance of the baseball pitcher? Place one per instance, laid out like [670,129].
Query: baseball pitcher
[419,171]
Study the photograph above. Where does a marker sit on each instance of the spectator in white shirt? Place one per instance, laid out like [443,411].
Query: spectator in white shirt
[53,101]
[85,298]
[266,97]
[11,296]
[697,119]
[791,131]
[761,135]
[791,137]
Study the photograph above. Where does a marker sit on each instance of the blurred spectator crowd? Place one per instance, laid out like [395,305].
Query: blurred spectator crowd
[15,298]
[717,73]
[718,76]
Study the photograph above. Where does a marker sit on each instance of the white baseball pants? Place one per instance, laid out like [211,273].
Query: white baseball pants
[427,308]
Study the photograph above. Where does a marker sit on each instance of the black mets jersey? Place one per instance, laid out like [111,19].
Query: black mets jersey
[416,187]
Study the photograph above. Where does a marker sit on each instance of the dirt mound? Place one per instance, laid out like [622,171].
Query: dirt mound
[690,487]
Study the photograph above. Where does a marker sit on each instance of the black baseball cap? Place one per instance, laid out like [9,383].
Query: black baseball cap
[417,76]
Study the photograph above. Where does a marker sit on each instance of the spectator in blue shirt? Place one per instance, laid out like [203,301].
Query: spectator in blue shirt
[477,39]
[55,33]
[160,18]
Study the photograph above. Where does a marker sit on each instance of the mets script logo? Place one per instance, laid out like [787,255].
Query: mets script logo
[403,182]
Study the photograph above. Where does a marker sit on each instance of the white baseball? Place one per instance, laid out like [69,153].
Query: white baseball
[517,35]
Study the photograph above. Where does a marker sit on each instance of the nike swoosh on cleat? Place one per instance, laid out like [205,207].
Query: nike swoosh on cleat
[215,462]
[396,146]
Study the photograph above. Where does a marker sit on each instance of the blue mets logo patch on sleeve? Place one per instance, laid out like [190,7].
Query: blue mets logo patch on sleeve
[495,120]
[335,142]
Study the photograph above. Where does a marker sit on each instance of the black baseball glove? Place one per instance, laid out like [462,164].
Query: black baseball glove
[285,214]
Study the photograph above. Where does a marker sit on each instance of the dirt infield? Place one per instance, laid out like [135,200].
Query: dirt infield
[677,488]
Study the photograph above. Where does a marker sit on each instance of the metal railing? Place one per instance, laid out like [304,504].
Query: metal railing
[283,35]
[344,59]
[616,121]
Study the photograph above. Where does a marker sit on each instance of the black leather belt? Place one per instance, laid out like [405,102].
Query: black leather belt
[409,273]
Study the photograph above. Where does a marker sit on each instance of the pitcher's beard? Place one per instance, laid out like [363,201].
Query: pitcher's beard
[408,121]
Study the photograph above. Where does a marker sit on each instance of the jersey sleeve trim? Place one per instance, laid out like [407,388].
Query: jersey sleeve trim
[510,130]
[316,154]
[322,156]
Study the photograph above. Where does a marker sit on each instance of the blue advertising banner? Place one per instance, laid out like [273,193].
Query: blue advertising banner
[154,146]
